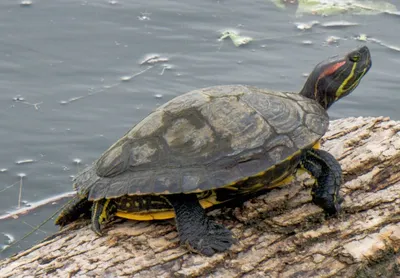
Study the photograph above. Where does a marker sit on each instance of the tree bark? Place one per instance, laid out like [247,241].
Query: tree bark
[280,234]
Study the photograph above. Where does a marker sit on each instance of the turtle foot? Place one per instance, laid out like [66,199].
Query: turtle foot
[215,238]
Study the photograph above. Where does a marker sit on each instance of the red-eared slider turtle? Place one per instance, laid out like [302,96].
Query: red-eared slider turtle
[216,144]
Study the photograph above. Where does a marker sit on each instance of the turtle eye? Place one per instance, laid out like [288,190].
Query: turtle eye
[354,58]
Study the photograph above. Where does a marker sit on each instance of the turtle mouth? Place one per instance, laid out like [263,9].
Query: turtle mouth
[365,58]
[369,64]
[363,70]
[364,63]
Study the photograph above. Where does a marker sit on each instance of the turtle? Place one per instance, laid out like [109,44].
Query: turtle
[214,145]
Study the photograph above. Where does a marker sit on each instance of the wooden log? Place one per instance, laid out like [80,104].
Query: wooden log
[280,234]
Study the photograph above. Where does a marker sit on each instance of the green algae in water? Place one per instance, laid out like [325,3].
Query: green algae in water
[237,39]
[334,7]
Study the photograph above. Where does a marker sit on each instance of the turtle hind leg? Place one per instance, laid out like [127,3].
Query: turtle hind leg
[328,175]
[77,207]
[194,227]
[102,211]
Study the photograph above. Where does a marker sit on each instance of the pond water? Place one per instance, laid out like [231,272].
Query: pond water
[72,82]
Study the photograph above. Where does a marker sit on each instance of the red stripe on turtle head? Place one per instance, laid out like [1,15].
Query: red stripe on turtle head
[332,69]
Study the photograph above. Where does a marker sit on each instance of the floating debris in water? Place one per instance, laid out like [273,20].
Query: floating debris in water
[362,37]
[306,25]
[105,87]
[396,13]
[26,3]
[25,161]
[158,96]
[336,7]
[330,24]
[376,7]
[66,168]
[307,42]
[21,175]
[18,98]
[389,46]
[64,102]
[332,40]
[112,2]
[365,38]
[153,58]
[22,100]
[77,160]
[235,37]
[3,170]
[144,16]
[339,24]
[128,78]
[165,67]
[8,239]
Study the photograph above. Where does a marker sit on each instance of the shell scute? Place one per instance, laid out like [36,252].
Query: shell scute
[115,160]
[187,138]
[281,113]
[236,124]
[167,181]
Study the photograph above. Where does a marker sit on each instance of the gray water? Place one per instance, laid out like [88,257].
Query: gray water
[62,100]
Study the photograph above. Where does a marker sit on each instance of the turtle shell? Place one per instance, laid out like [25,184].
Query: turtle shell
[205,139]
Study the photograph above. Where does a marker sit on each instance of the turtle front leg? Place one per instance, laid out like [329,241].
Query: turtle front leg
[194,227]
[102,211]
[328,175]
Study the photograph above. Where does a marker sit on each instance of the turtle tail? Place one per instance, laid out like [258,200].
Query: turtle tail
[77,207]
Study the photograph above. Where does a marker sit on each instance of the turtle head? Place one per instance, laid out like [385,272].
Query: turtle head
[337,77]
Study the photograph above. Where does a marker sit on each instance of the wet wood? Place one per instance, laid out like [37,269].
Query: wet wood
[280,234]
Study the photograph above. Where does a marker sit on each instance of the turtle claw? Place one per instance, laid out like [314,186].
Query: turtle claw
[215,238]
[96,227]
